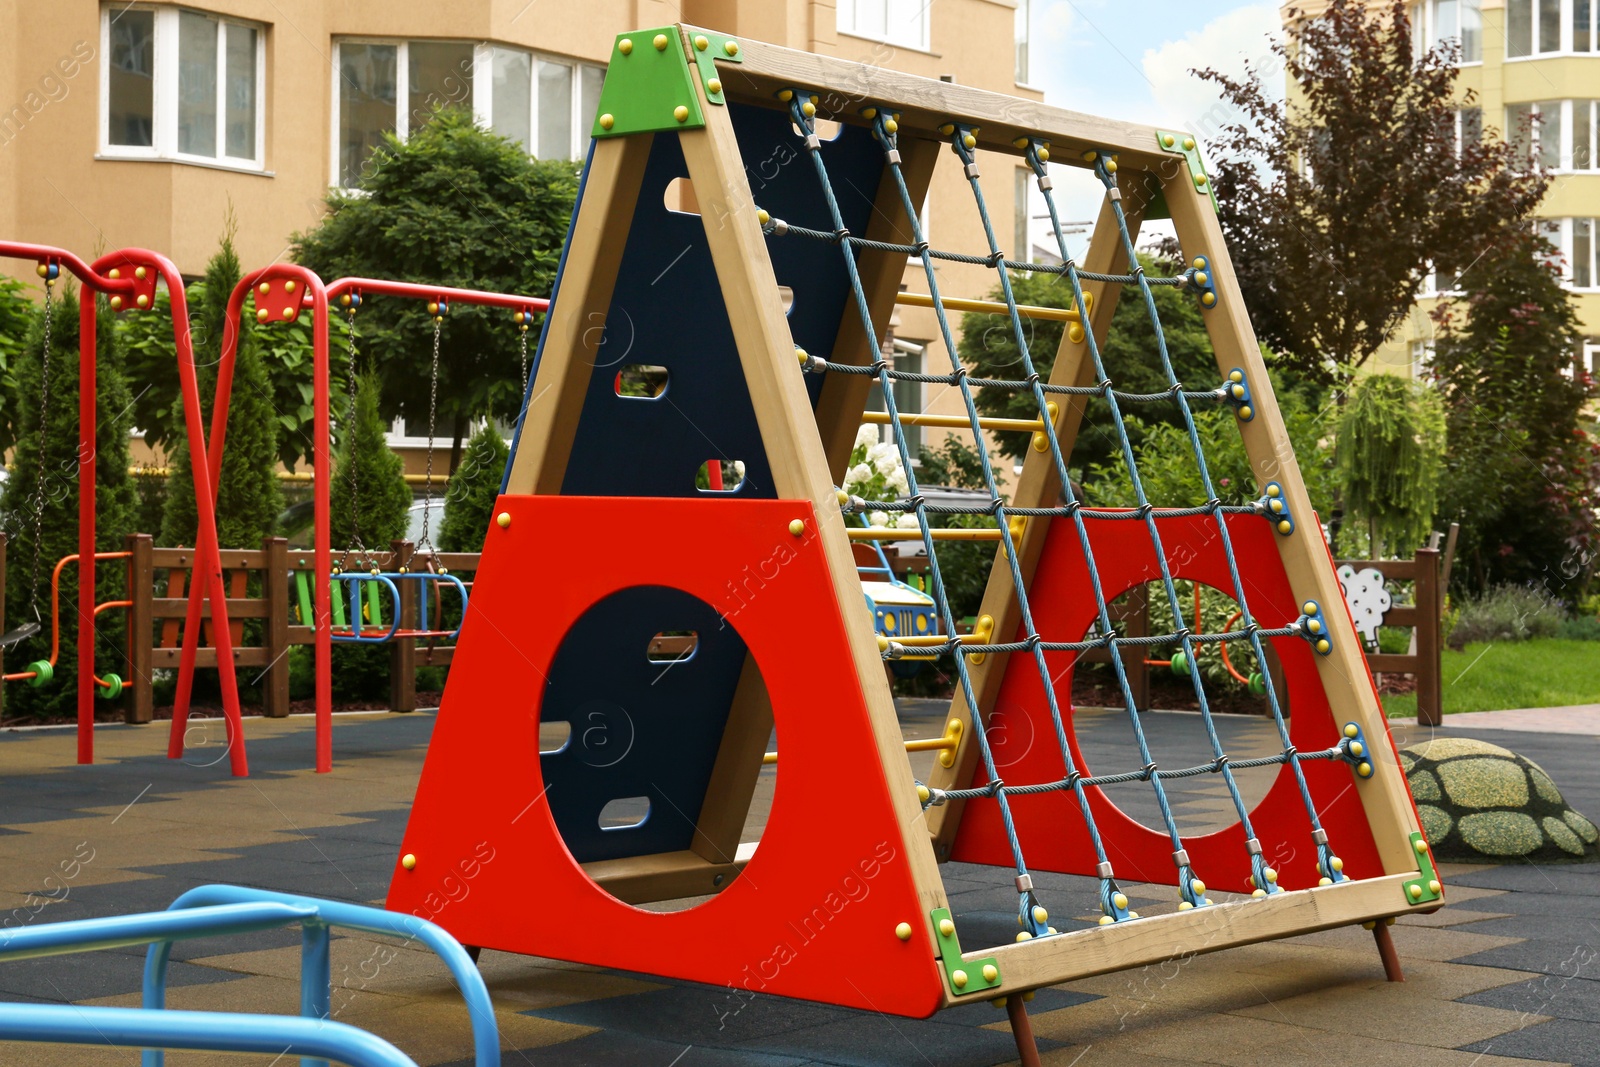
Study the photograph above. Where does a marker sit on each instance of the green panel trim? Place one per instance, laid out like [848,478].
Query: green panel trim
[708,47]
[1428,888]
[1184,145]
[972,972]
[647,82]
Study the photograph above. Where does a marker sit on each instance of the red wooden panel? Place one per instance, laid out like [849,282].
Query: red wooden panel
[814,913]
[1051,828]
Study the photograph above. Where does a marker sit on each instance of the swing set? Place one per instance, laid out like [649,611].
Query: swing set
[128,278]
[348,603]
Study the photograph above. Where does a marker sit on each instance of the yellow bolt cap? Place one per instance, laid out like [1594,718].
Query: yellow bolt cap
[1184,905]
[903,931]
[1324,881]
[660,42]
[731,47]
[1433,886]
[786,95]
[1310,608]
[891,126]
[1039,914]
[1315,626]
[1258,892]
[1336,863]
[1415,890]
[1198,886]
[1272,875]
[409,861]
[261,313]
[1364,769]
[1285,526]
[503,519]
[1323,646]
[1120,900]
[947,928]
[607,121]
[1356,748]
[1245,410]
[808,109]
[1188,144]
[1350,728]
[1208,299]
[1044,155]
[1370,924]
[139,272]
[1199,262]
[143,300]
[922,792]
[797,526]
[116,272]
[680,113]
[1167,140]
[1024,936]
[700,43]
[714,85]
[625,46]
[990,972]
[1422,848]
[959,978]
[1105,920]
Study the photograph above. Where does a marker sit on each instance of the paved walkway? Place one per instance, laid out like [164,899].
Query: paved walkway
[1506,974]
[1576,719]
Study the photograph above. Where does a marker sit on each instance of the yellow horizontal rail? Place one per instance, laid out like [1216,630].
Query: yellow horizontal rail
[995,307]
[960,422]
[945,745]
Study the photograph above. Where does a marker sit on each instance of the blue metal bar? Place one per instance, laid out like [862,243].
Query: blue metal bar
[316,978]
[121,931]
[72,1024]
[485,1032]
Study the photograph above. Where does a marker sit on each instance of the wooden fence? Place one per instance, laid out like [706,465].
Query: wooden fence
[263,614]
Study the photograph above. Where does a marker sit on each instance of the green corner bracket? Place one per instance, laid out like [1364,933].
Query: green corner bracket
[965,977]
[648,87]
[708,48]
[1427,888]
[1184,145]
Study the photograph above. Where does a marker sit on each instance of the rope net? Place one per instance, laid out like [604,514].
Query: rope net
[1032,915]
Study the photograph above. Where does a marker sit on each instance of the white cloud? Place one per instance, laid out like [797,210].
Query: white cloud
[1059,22]
[1226,44]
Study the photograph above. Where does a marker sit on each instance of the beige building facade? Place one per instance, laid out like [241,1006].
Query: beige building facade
[1532,68]
[139,124]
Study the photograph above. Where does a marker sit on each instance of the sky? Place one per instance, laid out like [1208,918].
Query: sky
[1130,60]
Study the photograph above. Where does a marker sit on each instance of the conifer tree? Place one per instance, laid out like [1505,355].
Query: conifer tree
[56,507]
[474,487]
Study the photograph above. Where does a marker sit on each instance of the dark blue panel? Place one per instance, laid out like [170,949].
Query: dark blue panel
[666,311]
[639,729]
[784,182]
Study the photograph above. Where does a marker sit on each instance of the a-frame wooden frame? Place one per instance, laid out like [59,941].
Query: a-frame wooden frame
[808,444]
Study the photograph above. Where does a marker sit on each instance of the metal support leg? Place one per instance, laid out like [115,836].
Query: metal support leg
[1022,1031]
[1387,952]
[316,978]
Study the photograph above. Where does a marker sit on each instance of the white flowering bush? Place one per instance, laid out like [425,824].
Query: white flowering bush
[876,474]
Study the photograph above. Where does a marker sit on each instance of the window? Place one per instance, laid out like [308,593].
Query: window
[1435,22]
[1575,250]
[1584,140]
[1021,247]
[1469,127]
[1535,130]
[547,105]
[1582,253]
[905,356]
[1591,357]
[901,22]
[181,85]
[1024,12]
[1541,27]
[1421,357]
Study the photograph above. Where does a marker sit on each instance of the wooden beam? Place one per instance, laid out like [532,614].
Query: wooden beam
[737,769]
[844,396]
[799,465]
[927,103]
[576,323]
[1157,938]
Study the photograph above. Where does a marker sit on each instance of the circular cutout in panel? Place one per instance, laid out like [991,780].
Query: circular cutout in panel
[1235,688]
[640,693]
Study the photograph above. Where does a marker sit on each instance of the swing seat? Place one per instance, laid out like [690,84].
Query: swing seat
[18,635]
[358,610]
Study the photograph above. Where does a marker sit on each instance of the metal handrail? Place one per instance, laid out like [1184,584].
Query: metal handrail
[315,971]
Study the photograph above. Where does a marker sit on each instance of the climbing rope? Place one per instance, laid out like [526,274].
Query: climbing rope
[1033,917]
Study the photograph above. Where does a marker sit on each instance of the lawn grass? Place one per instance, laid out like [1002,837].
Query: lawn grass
[1543,673]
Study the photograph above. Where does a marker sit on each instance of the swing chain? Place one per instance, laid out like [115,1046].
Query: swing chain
[523,341]
[349,429]
[433,407]
[44,417]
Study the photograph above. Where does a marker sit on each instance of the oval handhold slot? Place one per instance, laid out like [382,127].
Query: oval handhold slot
[672,646]
[642,381]
[554,736]
[625,813]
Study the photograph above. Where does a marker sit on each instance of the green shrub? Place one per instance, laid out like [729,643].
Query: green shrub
[58,518]
[1507,613]
[474,487]
[1580,628]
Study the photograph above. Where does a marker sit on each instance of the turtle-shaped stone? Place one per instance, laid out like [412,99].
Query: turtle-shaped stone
[1479,801]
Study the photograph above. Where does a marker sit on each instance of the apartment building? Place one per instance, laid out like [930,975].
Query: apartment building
[140,123]
[1525,60]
